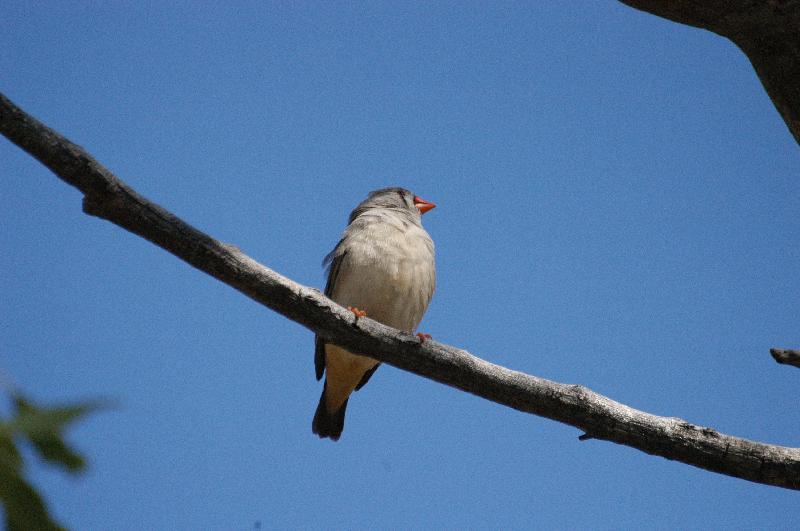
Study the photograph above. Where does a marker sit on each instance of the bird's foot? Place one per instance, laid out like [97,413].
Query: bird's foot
[423,337]
[358,313]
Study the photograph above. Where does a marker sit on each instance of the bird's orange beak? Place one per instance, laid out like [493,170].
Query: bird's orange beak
[422,205]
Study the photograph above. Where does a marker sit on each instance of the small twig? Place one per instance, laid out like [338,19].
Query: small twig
[786,356]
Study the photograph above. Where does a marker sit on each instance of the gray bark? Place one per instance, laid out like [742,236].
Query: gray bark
[105,196]
[767,31]
[786,356]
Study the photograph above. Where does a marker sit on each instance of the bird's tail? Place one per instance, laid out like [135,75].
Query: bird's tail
[327,424]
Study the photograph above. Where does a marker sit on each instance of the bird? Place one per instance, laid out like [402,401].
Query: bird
[383,267]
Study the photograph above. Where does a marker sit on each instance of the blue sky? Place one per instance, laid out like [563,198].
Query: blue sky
[617,200]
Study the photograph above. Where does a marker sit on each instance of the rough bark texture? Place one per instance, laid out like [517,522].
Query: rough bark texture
[767,31]
[786,356]
[107,197]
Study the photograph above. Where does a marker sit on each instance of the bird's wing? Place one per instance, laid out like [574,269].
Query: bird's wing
[334,262]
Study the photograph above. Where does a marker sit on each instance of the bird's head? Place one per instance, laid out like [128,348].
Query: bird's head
[393,199]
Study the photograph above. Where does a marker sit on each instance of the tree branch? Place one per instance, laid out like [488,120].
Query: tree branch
[107,197]
[786,356]
[766,31]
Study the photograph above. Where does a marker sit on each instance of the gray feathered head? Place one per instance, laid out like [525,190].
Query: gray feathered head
[395,199]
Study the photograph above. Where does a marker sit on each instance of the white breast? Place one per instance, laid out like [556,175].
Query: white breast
[388,271]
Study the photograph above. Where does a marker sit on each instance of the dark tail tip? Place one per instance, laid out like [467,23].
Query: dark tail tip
[326,424]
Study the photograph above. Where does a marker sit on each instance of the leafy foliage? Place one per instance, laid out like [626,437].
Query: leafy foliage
[43,429]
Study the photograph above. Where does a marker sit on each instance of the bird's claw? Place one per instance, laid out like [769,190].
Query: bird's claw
[423,337]
[358,313]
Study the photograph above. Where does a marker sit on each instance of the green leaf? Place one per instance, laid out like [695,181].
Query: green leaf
[43,428]
[24,508]
[9,455]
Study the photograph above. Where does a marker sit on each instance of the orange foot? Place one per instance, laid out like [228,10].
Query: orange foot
[358,313]
[423,337]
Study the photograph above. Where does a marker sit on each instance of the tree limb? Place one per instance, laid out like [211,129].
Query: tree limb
[107,197]
[767,31]
[786,356]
